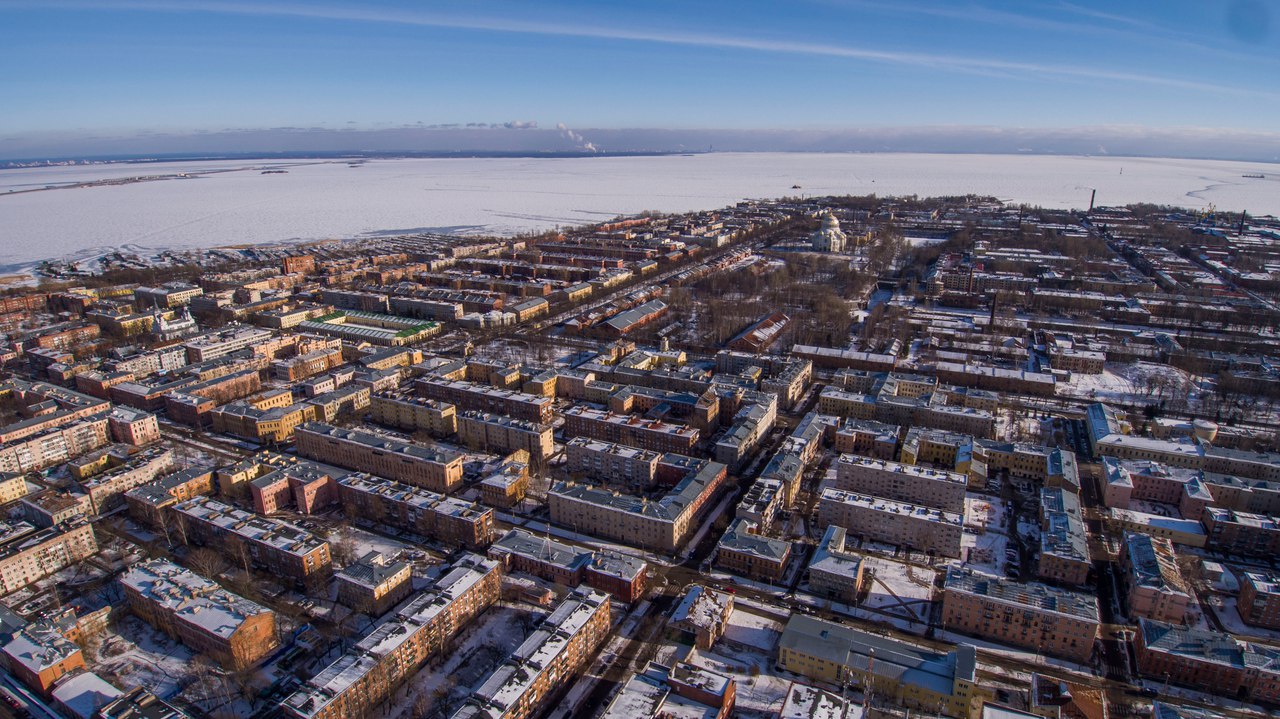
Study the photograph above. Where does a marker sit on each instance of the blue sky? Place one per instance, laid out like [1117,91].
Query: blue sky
[118,66]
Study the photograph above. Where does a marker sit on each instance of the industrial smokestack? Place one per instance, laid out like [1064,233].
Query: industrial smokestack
[1092,196]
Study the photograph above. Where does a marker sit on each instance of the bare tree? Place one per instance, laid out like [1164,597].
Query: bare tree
[242,554]
[343,550]
[206,562]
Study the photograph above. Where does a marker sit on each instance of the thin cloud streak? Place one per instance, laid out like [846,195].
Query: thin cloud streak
[968,65]
[1136,29]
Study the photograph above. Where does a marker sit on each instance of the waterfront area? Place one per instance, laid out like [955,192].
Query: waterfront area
[201,205]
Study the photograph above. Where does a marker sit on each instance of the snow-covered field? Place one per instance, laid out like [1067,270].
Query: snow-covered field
[1133,383]
[328,199]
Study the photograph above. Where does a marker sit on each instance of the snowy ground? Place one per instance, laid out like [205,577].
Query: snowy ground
[1227,612]
[364,542]
[761,688]
[754,631]
[137,654]
[900,589]
[985,553]
[1132,383]
[984,513]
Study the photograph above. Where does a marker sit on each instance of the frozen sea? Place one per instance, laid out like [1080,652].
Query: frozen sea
[234,203]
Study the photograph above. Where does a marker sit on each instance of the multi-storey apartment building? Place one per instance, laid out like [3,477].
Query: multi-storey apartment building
[432,468]
[167,295]
[505,487]
[662,525]
[744,551]
[625,577]
[1209,660]
[1050,466]
[148,502]
[39,655]
[374,584]
[28,554]
[547,660]
[471,396]
[452,521]
[133,427]
[1064,539]
[232,630]
[245,538]
[652,434]
[51,508]
[902,524]
[106,490]
[496,433]
[868,438]
[612,463]
[224,342]
[1153,583]
[1032,615]
[13,487]
[938,448]
[55,445]
[369,673]
[1243,533]
[1259,601]
[903,482]
[392,409]
[834,572]
[261,421]
[307,364]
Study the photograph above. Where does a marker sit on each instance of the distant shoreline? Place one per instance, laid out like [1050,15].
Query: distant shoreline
[76,161]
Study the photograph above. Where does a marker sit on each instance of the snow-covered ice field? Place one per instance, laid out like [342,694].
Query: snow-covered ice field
[328,199]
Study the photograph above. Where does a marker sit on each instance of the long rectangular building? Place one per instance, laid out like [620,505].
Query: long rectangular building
[445,519]
[501,434]
[232,630]
[612,462]
[28,555]
[1209,660]
[55,445]
[1153,583]
[370,673]
[903,482]
[1031,615]
[437,418]
[469,395]
[276,546]
[662,525]
[901,524]
[433,468]
[581,421]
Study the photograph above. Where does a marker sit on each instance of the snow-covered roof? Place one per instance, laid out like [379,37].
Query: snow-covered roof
[84,693]
[190,597]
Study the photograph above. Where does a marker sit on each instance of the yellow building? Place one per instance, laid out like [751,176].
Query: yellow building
[892,671]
